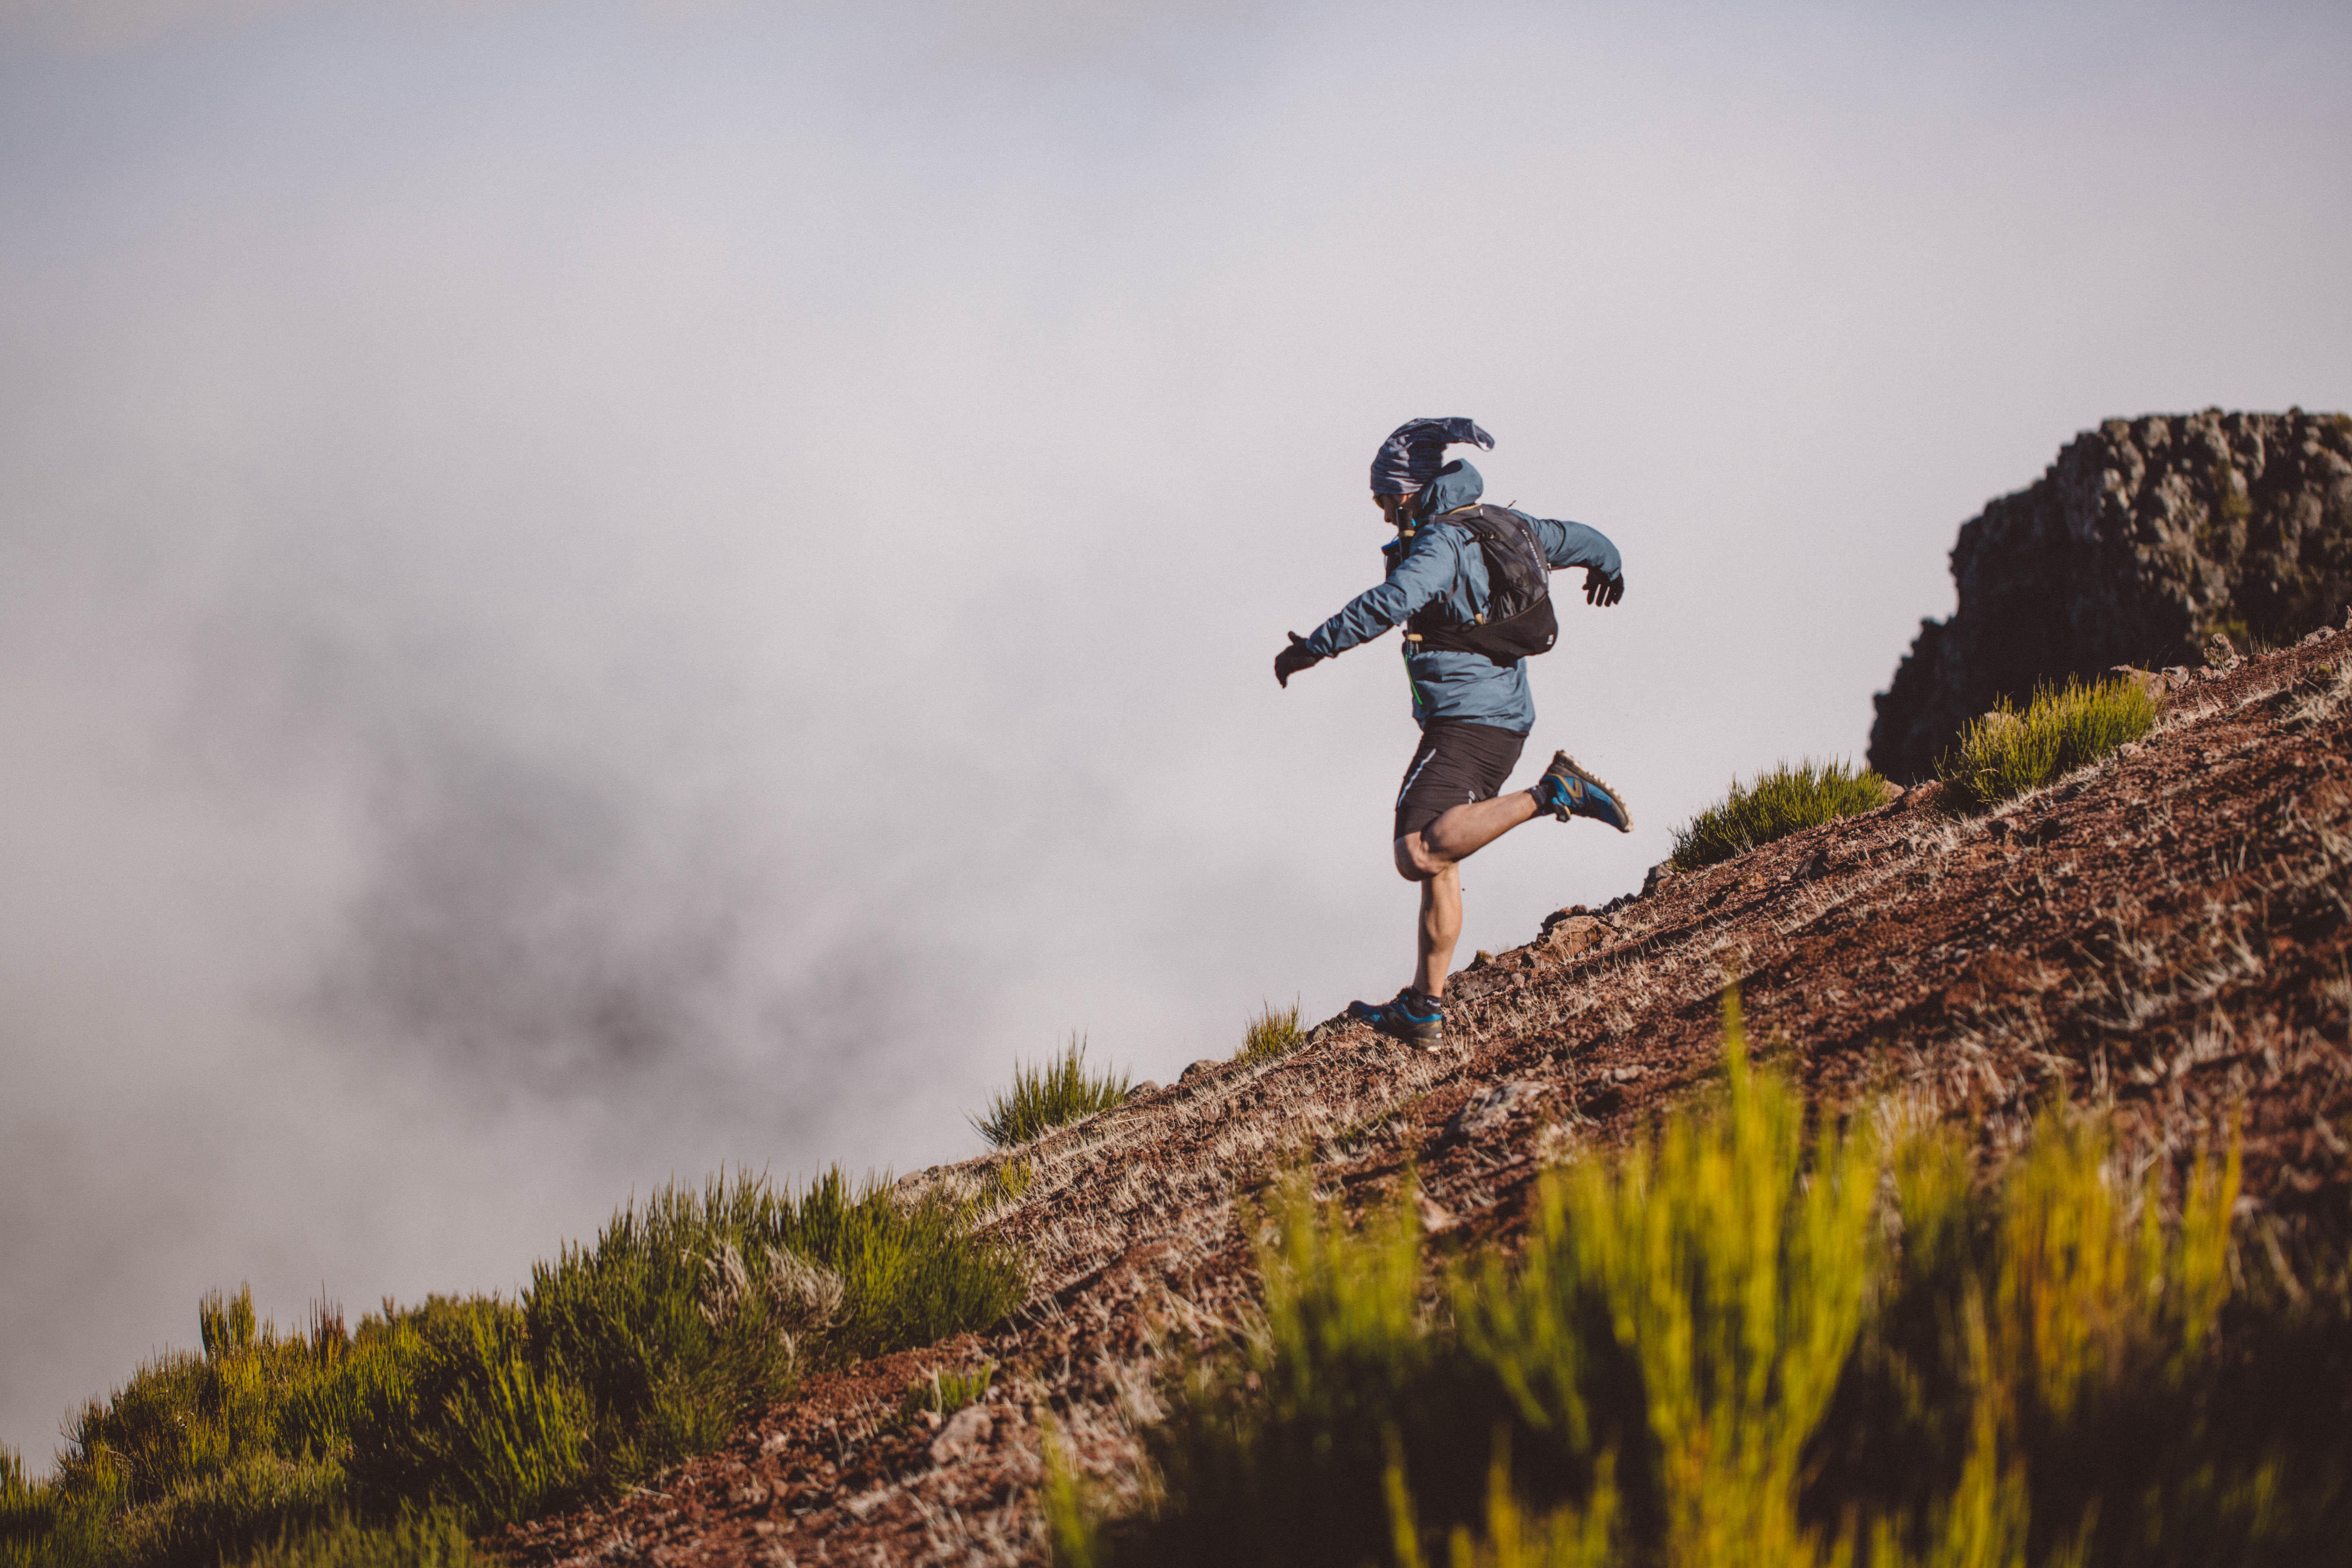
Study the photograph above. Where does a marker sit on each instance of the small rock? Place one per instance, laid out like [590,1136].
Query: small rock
[1435,1220]
[1577,934]
[1658,874]
[2130,748]
[1918,797]
[1625,1075]
[1489,1111]
[2220,653]
[1140,1089]
[1198,1070]
[965,1435]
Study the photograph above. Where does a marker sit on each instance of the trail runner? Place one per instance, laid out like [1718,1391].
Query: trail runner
[1468,584]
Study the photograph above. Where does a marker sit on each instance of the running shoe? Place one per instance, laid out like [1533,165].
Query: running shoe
[1566,790]
[1412,1016]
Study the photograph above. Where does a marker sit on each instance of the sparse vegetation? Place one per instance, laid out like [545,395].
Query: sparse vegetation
[1274,1032]
[1012,1180]
[2230,498]
[1786,800]
[945,1392]
[2004,753]
[1049,1095]
[1746,1342]
[334,1446]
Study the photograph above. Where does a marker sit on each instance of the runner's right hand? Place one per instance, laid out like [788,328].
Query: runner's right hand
[1293,660]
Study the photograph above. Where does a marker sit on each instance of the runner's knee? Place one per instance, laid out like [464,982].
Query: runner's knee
[1414,863]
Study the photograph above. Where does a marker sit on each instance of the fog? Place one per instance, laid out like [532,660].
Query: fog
[593,592]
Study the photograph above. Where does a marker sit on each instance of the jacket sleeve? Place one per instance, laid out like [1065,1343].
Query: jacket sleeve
[1573,544]
[1426,571]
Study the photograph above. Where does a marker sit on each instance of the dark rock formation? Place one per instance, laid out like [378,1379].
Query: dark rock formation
[2146,536]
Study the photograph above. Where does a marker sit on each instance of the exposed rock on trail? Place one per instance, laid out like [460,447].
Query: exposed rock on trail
[2143,537]
[2166,934]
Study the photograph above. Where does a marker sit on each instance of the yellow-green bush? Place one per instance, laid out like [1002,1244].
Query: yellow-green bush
[1751,1340]
[2003,753]
[1733,1273]
[1787,800]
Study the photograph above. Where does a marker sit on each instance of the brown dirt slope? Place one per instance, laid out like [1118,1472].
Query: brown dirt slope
[2165,933]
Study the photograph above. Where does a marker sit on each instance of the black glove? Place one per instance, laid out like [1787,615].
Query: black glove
[1602,590]
[1293,660]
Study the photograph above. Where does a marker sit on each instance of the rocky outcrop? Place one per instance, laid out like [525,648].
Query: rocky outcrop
[2146,536]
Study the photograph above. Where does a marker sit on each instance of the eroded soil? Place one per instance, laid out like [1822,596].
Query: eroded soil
[2164,933]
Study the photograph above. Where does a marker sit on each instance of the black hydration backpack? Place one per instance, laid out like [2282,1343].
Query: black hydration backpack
[1518,622]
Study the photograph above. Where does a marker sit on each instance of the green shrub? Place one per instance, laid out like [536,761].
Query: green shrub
[2004,753]
[464,1415]
[1741,1341]
[1053,1094]
[621,1357]
[1275,1032]
[1784,801]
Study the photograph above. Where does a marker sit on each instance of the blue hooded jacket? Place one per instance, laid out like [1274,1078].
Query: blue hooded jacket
[1443,562]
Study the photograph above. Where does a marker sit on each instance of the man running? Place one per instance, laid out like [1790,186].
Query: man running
[1469,676]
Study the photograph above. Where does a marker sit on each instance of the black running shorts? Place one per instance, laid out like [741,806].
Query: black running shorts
[1458,762]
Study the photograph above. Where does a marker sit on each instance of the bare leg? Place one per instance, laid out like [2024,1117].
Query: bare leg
[1441,928]
[1468,829]
[1432,857]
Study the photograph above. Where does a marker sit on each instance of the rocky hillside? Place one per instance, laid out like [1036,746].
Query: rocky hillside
[2167,934]
[2145,536]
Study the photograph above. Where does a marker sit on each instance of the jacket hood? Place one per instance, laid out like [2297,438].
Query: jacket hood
[1457,484]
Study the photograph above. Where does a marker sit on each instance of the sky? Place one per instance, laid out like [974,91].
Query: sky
[592,593]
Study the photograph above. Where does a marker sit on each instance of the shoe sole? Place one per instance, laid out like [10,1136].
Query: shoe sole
[1598,783]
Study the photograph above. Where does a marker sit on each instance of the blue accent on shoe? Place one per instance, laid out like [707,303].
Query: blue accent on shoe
[1408,1016]
[1566,790]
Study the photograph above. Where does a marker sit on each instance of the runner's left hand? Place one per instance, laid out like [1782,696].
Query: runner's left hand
[1602,590]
